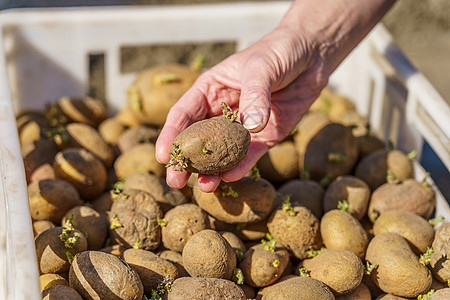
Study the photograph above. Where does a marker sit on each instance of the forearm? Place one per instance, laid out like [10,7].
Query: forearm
[334,27]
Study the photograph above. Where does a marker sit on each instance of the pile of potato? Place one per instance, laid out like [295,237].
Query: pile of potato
[330,213]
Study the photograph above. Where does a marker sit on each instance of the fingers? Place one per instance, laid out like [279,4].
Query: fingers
[255,152]
[254,102]
[208,183]
[176,179]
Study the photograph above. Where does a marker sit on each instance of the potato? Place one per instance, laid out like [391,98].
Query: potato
[373,168]
[183,222]
[166,196]
[126,117]
[341,231]
[306,193]
[82,169]
[368,144]
[91,223]
[210,146]
[251,231]
[440,259]
[41,226]
[208,254]
[409,195]
[299,288]
[280,163]
[242,201]
[133,220]
[50,199]
[136,135]
[102,203]
[116,250]
[262,265]
[87,110]
[156,90]
[263,290]
[389,297]
[32,126]
[60,292]
[297,230]
[333,150]
[351,189]
[110,130]
[398,269]
[204,288]
[54,247]
[151,268]
[139,158]
[99,275]
[235,242]
[440,295]
[49,279]
[362,292]
[248,291]
[415,229]
[341,270]
[353,119]
[42,172]
[176,258]
[36,154]
[87,137]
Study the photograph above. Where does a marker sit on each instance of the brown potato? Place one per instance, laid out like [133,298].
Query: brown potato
[87,110]
[210,146]
[91,223]
[398,269]
[333,150]
[87,137]
[412,227]
[50,199]
[99,275]
[299,288]
[82,169]
[262,266]
[440,259]
[60,292]
[263,290]
[389,297]
[41,226]
[353,119]
[110,130]
[196,289]
[341,231]
[53,249]
[133,220]
[102,203]
[156,90]
[442,294]
[208,254]
[251,231]
[341,270]
[242,201]
[32,126]
[368,144]
[351,189]
[297,231]
[183,222]
[136,135]
[126,117]
[409,195]
[116,250]
[373,169]
[36,154]
[49,279]
[166,196]
[280,163]
[176,258]
[235,242]
[362,292]
[139,158]
[306,193]
[151,268]
[43,172]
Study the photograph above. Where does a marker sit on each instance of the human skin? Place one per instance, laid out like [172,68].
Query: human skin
[274,81]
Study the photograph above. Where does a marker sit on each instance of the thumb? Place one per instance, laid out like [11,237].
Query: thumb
[254,103]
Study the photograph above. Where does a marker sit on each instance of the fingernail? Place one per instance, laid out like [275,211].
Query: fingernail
[252,119]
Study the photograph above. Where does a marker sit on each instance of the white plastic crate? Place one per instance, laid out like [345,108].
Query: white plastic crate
[44,53]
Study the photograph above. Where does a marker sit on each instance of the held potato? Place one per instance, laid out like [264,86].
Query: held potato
[204,288]
[409,195]
[99,275]
[82,169]
[208,254]
[263,264]
[151,268]
[210,146]
[299,288]
[341,231]
[297,229]
[440,259]
[134,220]
[182,222]
[341,270]
[398,269]
[242,201]
[412,227]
